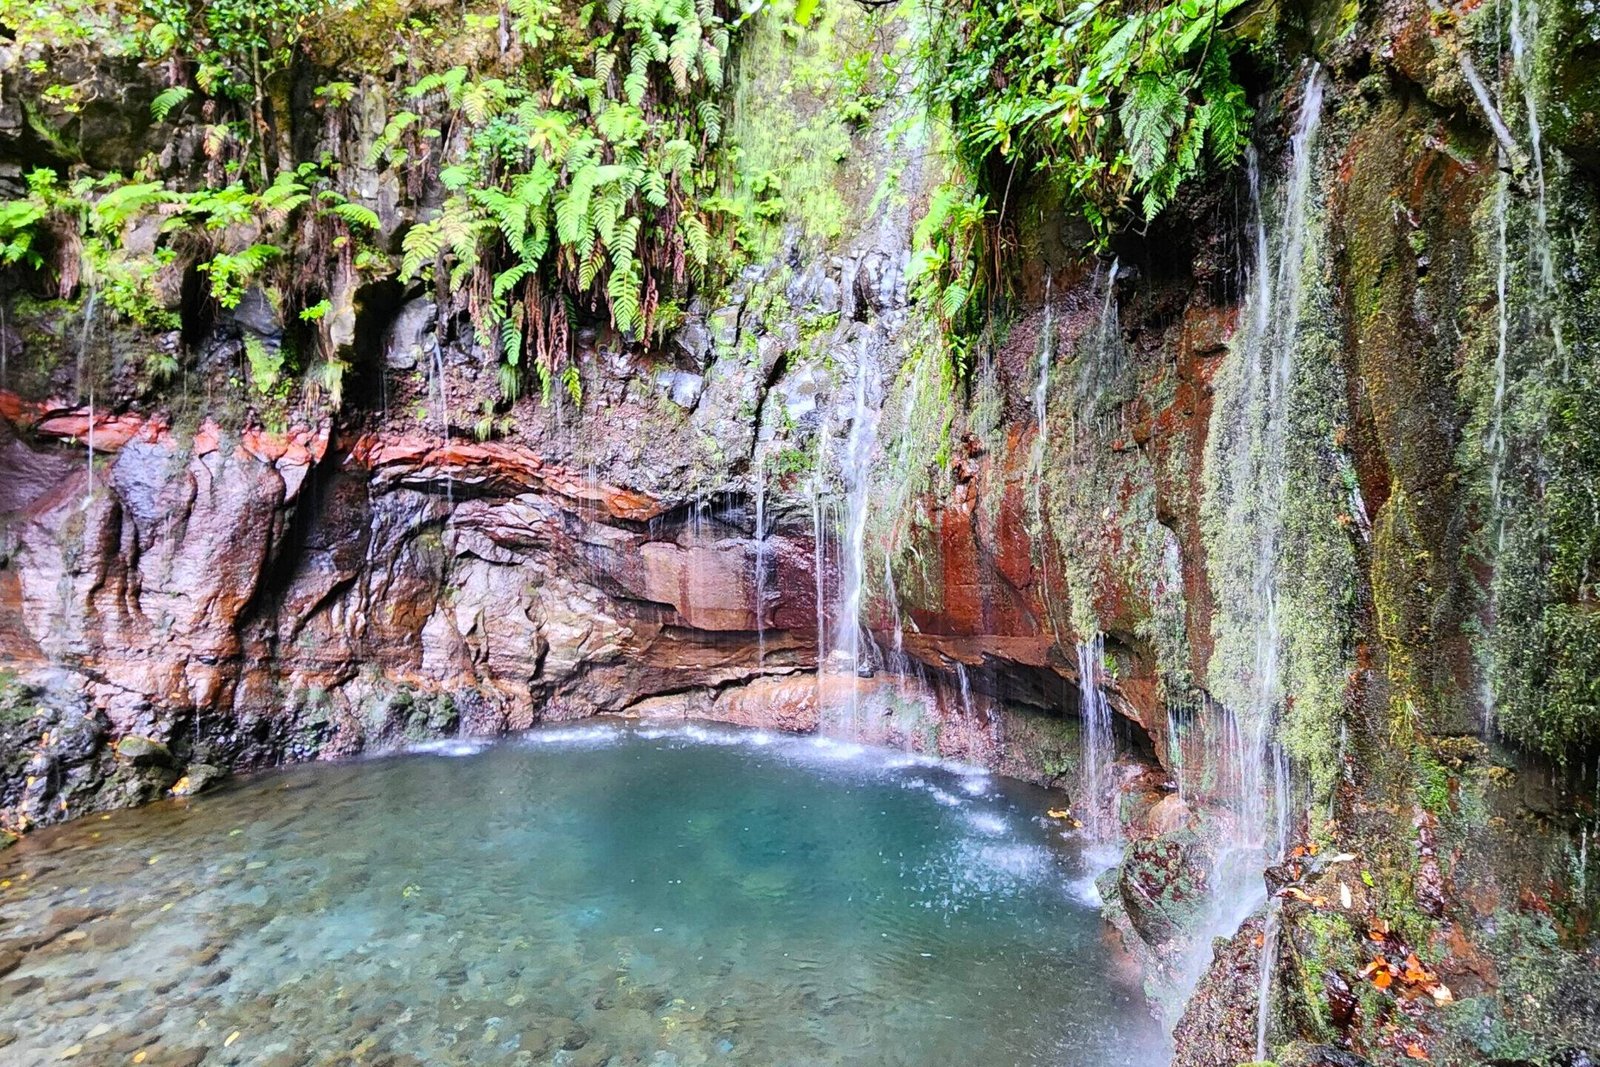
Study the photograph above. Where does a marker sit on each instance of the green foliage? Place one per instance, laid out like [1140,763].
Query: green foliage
[230,273]
[235,44]
[946,271]
[585,179]
[168,99]
[266,364]
[1114,105]
[23,222]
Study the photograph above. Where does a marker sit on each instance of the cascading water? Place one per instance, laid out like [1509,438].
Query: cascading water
[1041,403]
[1524,28]
[1260,480]
[1101,361]
[1528,335]
[1098,749]
[761,560]
[1253,432]
[86,379]
[856,469]
[1250,464]
[819,541]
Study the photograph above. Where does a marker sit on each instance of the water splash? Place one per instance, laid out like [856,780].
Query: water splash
[1099,752]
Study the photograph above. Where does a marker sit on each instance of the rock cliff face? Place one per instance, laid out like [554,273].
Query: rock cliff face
[217,576]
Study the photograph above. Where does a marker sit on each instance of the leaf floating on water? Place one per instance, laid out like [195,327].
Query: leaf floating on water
[1058,813]
[69,1052]
[231,1039]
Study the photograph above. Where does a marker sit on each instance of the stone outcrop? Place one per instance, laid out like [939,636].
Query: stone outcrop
[185,593]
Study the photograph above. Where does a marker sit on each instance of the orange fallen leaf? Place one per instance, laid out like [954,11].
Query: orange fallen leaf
[1416,974]
[1382,979]
[1415,1051]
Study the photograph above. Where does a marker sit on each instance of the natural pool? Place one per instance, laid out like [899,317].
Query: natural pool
[577,895]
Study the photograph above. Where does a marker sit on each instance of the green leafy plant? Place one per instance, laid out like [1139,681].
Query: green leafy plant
[588,179]
[1114,104]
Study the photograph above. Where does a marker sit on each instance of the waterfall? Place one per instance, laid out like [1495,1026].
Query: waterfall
[1041,388]
[1522,67]
[86,375]
[1259,482]
[1265,966]
[819,534]
[856,469]
[1101,362]
[1258,476]
[892,597]
[1041,404]
[1098,751]
[761,560]
[442,413]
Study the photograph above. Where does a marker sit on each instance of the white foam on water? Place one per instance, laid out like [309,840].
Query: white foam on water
[987,822]
[1086,891]
[975,785]
[828,748]
[452,746]
[580,736]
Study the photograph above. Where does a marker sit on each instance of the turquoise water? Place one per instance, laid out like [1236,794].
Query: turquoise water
[580,895]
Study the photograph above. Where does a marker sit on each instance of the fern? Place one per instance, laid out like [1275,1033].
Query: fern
[119,205]
[681,53]
[1151,115]
[231,273]
[638,79]
[571,182]
[696,239]
[168,99]
[711,119]
[356,215]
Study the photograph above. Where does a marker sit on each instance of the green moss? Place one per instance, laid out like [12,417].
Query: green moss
[1540,638]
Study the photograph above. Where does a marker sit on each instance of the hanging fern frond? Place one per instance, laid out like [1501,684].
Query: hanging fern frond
[168,99]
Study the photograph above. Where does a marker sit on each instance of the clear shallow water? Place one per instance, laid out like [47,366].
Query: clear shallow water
[578,895]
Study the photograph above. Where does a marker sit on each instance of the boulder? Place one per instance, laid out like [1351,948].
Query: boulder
[197,778]
[1162,883]
[144,751]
